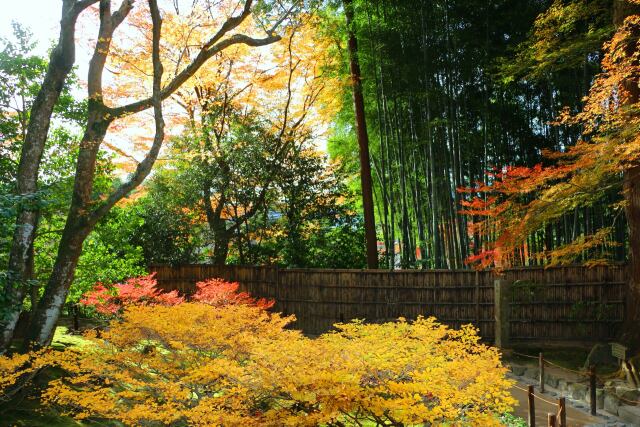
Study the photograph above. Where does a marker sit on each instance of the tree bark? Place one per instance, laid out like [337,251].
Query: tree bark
[217,226]
[631,327]
[61,62]
[363,142]
[631,190]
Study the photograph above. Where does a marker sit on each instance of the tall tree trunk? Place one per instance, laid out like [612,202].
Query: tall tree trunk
[79,224]
[60,64]
[363,142]
[81,218]
[43,321]
[631,189]
[217,225]
[631,327]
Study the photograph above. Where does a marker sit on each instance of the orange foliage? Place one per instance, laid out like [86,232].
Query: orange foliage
[521,200]
[258,79]
[134,291]
[138,291]
[218,292]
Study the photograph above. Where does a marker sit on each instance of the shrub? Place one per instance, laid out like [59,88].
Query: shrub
[135,291]
[218,292]
[238,365]
[112,300]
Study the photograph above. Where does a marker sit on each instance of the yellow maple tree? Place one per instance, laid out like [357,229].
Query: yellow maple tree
[239,365]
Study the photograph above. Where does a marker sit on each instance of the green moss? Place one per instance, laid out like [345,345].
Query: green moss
[62,339]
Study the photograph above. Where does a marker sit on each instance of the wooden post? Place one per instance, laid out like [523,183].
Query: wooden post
[501,312]
[541,371]
[562,413]
[592,388]
[532,407]
[477,298]
[551,420]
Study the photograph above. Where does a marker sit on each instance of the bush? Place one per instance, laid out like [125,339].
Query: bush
[194,364]
[218,292]
[111,300]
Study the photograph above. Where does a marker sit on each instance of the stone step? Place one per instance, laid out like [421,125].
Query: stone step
[630,414]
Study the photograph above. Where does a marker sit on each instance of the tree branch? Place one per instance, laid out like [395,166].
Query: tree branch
[122,12]
[190,70]
[108,24]
[80,6]
[144,168]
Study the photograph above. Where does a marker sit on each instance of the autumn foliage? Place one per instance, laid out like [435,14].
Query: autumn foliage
[237,365]
[518,201]
[110,300]
[218,292]
[144,290]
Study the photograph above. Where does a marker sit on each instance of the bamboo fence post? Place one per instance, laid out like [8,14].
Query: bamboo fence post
[551,420]
[592,388]
[501,308]
[477,298]
[532,407]
[541,371]
[562,412]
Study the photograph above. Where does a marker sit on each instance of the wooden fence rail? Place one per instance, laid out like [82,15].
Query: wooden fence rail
[559,303]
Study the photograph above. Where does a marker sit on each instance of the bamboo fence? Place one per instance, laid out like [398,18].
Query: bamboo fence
[571,303]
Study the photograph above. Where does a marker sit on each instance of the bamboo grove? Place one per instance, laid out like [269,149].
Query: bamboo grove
[455,92]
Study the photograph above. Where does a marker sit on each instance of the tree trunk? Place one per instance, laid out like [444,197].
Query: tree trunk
[363,142]
[631,334]
[60,64]
[43,322]
[631,189]
[221,248]
[79,224]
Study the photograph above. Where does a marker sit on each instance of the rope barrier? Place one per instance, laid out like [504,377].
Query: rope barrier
[535,395]
[525,355]
[545,400]
[623,399]
[566,369]
[631,402]
[609,376]
[550,363]
[580,373]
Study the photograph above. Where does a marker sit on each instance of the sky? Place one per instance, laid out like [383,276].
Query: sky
[41,16]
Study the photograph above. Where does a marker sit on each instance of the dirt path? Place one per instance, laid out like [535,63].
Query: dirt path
[575,417]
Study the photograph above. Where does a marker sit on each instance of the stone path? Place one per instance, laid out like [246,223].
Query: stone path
[577,412]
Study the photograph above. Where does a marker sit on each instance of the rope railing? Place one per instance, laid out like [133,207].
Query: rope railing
[629,401]
[581,373]
[536,395]
[524,355]
[559,416]
[609,376]
[591,375]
